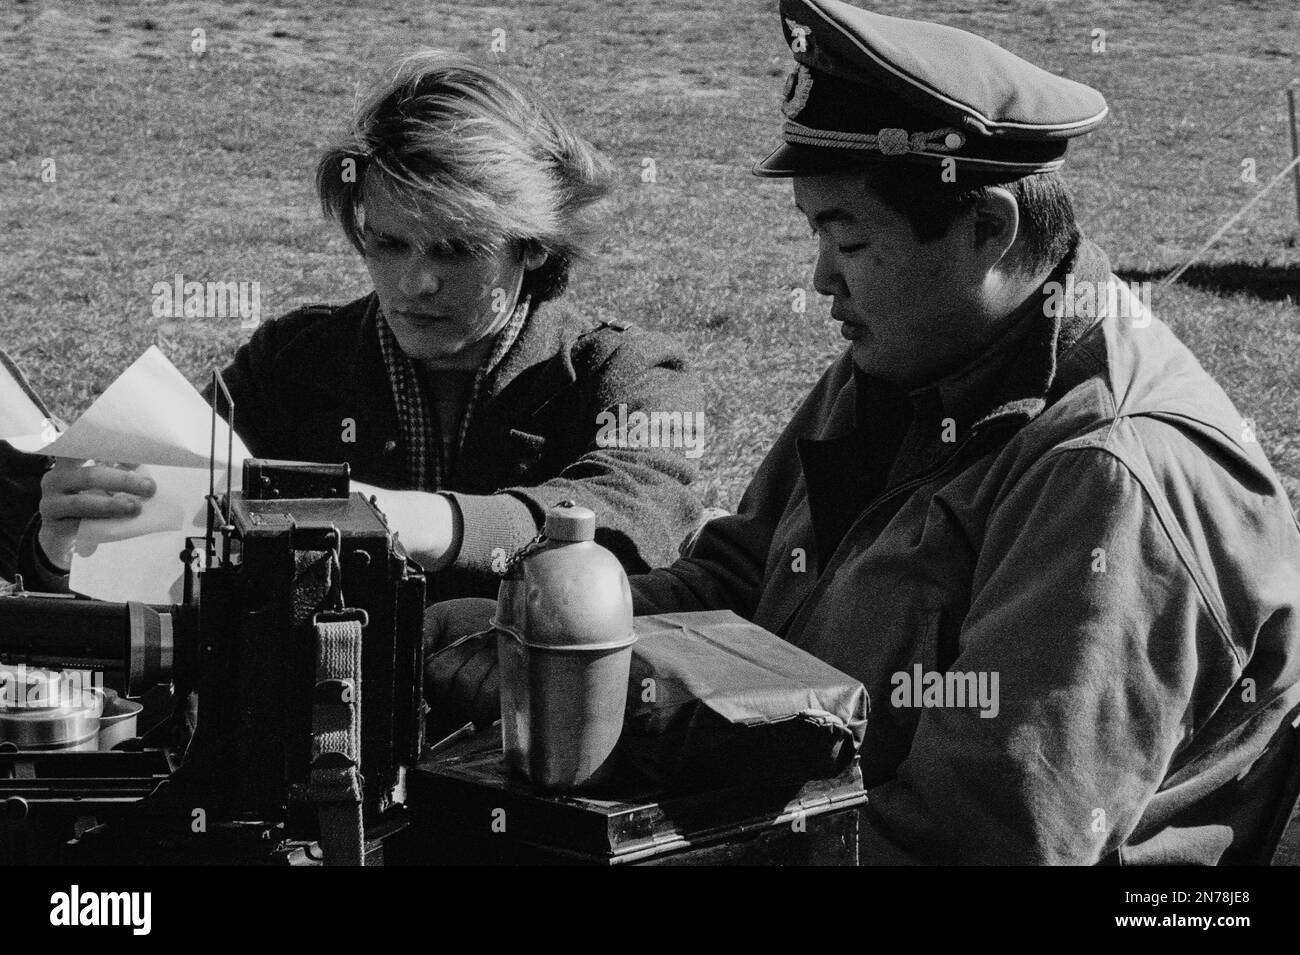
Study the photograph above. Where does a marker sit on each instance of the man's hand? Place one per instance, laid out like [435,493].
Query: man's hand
[447,621]
[429,524]
[74,490]
[460,664]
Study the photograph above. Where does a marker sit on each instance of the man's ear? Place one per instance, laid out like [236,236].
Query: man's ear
[997,223]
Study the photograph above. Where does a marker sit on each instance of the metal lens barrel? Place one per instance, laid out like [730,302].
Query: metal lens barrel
[58,633]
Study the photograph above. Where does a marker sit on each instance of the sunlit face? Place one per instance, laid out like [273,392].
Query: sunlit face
[908,307]
[443,304]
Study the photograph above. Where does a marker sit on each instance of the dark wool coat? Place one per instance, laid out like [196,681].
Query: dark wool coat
[20,495]
[307,381]
[20,486]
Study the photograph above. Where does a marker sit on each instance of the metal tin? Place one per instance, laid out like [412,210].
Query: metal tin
[58,711]
[118,720]
[42,710]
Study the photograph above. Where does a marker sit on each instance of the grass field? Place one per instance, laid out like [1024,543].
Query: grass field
[169,162]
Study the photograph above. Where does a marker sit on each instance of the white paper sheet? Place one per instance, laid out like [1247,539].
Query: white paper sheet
[153,417]
[150,415]
[22,423]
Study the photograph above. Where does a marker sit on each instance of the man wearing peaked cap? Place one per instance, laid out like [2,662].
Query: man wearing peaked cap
[1016,508]
[996,483]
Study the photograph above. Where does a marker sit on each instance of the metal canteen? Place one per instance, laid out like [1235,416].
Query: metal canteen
[564,641]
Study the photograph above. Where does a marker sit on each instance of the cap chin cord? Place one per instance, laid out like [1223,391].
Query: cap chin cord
[889,141]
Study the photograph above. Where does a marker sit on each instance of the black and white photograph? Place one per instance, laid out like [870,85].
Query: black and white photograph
[585,434]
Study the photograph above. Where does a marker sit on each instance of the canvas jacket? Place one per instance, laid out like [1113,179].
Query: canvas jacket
[1081,512]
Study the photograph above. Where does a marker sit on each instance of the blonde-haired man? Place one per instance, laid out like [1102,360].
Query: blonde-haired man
[465,407]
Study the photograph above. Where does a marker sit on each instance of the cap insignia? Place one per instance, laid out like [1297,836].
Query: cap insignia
[797,87]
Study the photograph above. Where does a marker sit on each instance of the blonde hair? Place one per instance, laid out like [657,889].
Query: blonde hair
[494,165]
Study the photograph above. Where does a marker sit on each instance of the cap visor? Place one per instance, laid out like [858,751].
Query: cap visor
[792,159]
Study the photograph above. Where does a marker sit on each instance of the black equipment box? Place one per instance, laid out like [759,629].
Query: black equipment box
[261,684]
[465,808]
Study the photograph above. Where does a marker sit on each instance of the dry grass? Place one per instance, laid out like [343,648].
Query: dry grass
[168,162]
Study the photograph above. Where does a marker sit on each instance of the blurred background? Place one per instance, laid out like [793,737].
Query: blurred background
[169,159]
